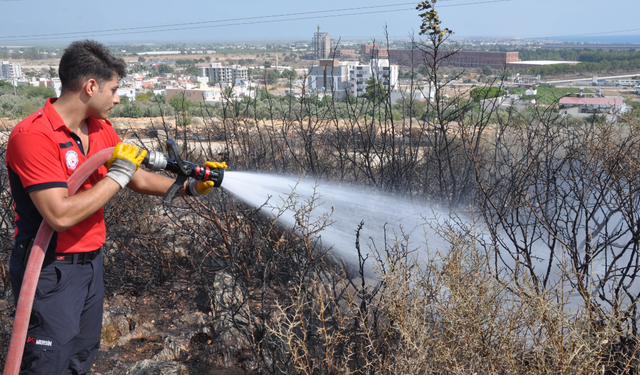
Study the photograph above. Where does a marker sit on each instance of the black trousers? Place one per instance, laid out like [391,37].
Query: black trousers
[66,320]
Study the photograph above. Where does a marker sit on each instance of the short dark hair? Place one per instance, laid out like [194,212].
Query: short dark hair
[88,59]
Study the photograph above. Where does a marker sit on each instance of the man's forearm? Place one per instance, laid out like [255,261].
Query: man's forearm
[148,183]
[62,212]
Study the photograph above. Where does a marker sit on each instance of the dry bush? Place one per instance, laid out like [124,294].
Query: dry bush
[454,315]
[447,313]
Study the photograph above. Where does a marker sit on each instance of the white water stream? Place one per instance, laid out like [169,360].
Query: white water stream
[345,207]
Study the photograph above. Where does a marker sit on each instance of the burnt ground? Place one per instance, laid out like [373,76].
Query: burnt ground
[165,308]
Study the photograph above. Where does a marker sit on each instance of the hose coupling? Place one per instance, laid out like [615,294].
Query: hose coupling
[155,161]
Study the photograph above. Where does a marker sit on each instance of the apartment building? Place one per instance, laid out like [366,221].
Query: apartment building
[380,69]
[216,72]
[9,70]
[338,78]
[329,77]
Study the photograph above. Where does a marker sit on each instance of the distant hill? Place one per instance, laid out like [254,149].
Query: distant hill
[624,39]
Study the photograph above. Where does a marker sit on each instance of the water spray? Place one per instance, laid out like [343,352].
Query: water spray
[387,218]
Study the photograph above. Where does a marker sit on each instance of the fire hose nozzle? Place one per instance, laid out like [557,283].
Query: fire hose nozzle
[157,161]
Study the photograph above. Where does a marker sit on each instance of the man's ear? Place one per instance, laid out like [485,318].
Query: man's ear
[91,86]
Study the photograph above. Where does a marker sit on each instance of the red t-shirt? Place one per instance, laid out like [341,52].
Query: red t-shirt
[42,153]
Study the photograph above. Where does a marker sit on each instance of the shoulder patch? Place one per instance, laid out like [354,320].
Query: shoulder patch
[72,159]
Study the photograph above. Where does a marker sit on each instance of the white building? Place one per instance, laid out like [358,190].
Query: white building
[159,53]
[198,95]
[610,107]
[329,77]
[338,78]
[129,92]
[509,101]
[215,72]
[24,81]
[379,69]
[526,79]
[9,70]
[426,92]
[235,91]
[38,81]
[56,85]
[627,82]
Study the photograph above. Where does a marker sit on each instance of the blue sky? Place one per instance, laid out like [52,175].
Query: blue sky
[486,18]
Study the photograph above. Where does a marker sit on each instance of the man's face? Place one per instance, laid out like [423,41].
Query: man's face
[105,98]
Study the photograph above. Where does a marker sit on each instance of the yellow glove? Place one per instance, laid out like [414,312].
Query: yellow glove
[204,187]
[124,162]
[128,152]
[216,165]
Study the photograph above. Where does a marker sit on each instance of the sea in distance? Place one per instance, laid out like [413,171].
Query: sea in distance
[622,39]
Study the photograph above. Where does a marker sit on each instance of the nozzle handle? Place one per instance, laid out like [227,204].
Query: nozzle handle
[157,161]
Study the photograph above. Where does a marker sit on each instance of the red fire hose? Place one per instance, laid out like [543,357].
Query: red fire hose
[34,265]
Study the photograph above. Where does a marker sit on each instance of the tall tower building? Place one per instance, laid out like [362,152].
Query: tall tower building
[321,44]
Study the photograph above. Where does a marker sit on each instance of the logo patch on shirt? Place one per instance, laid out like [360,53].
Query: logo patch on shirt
[72,159]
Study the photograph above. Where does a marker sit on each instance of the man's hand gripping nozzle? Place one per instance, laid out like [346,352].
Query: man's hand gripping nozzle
[124,162]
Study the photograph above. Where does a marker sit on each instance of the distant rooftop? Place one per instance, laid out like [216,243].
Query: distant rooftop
[543,62]
[607,46]
[617,101]
[152,53]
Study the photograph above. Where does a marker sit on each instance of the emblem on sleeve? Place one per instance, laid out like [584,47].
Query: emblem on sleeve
[72,159]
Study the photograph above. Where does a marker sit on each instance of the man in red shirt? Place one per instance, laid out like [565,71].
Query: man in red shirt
[43,151]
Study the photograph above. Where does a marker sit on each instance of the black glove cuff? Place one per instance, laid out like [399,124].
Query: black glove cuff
[187,189]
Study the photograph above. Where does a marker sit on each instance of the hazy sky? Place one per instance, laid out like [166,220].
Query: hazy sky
[131,20]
